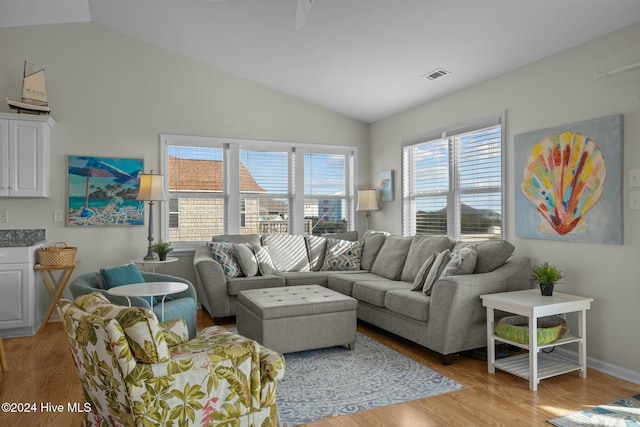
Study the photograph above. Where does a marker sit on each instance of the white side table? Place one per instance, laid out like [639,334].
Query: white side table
[153,262]
[148,289]
[537,365]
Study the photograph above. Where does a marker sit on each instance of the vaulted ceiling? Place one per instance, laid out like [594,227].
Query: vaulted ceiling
[363,58]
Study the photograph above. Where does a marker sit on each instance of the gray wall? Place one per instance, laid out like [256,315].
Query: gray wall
[554,91]
[113,95]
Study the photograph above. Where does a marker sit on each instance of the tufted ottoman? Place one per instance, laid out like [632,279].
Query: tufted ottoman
[297,318]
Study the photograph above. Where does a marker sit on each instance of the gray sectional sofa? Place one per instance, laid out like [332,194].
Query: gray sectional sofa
[384,273]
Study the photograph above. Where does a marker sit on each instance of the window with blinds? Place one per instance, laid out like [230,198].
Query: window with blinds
[325,193]
[264,189]
[195,184]
[224,186]
[453,184]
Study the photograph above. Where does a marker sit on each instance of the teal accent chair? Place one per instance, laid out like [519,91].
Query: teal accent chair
[182,305]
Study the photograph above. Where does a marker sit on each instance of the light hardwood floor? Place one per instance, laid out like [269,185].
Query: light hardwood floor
[41,371]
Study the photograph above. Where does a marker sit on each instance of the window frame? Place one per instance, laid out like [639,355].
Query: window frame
[454,192]
[231,194]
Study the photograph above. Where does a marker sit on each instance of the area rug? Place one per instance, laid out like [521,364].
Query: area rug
[624,412]
[335,381]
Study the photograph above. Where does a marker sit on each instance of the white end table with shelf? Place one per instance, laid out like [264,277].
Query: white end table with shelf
[537,365]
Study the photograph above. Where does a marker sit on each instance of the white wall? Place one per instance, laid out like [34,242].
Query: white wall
[554,91]
[113,95]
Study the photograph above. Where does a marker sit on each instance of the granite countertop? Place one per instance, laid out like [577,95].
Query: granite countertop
[22,238]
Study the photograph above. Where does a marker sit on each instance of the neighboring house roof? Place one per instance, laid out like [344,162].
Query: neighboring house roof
[205,175]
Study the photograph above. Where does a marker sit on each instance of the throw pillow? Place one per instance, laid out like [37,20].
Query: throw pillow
[223,253]
[491,254]
[124,275]
[246,258]
[372,243]
[342,255]
[391,257]
[439,264]
[418,282]
[265,264]
[463,261]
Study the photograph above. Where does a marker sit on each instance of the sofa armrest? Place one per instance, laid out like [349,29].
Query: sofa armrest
[457,318]
[211,283]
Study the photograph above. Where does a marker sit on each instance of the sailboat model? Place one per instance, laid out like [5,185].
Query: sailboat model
[34,92]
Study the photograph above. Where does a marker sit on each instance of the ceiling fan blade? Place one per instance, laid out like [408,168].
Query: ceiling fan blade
[302,12]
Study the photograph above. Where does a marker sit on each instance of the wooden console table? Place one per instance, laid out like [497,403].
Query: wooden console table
[55,286]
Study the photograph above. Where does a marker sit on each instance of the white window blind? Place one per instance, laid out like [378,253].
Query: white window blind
[195,183]
[326,199]
[264,187]
[453,185]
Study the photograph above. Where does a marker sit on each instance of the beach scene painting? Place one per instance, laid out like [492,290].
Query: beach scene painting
[103,191]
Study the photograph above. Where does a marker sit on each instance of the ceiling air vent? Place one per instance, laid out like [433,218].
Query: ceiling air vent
[436,74]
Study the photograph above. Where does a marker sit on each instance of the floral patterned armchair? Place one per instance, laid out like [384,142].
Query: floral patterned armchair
[137,371]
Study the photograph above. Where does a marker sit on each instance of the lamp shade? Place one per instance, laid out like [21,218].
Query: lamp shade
[151,187]
[367,200]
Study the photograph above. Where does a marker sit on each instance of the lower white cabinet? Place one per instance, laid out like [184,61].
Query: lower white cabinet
[23,297]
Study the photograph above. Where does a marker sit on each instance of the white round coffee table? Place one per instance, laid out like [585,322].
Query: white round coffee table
[148,289]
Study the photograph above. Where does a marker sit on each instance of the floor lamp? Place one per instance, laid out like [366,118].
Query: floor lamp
[151,189]
[367,201]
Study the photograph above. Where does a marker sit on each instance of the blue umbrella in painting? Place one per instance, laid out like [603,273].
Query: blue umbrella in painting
[92,167]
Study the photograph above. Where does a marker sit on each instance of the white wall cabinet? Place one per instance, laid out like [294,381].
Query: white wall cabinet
[23,297]
[25,155]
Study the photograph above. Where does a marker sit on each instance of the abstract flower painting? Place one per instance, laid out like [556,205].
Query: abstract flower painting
[568,182]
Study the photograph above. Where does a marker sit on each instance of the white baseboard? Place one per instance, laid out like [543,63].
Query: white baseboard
[604,367]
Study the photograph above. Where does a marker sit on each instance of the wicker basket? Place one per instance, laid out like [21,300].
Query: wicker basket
[57,254]
[516,329]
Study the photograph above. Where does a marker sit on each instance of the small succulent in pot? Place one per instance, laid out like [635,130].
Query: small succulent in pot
[162,249]
[547,275]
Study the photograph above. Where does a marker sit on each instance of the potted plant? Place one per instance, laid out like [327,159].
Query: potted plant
[162,249]
[547,275]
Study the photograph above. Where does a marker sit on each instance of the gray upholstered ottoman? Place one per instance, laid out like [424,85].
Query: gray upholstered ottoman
[297,318]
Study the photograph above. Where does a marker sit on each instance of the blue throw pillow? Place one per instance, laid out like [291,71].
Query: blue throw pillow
[124,275]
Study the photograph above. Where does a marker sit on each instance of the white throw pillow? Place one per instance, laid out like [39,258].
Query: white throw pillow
[463,261]
[265,263]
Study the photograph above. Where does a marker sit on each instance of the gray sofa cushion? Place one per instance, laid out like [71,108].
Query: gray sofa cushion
[256,282]
[316,248]
[391,257]
[346,235]
[300,278]
[373,242]
[373,291]
[422,247]
[410,304]
[491,254]
[237,238]
[343,281]
[224,254]
[288,251]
